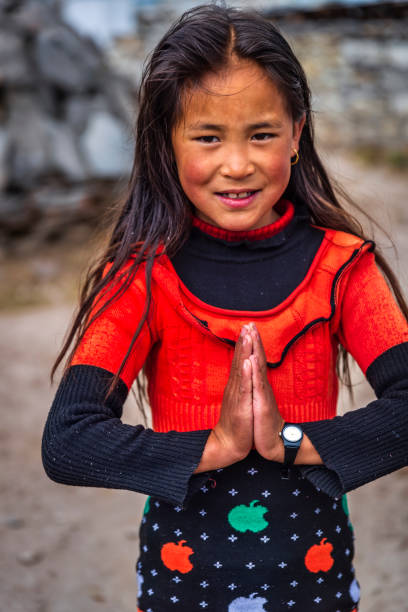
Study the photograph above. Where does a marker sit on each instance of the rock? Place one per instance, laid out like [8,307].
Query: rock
[60,201]
[3,151]
[364,52]
[34,15]
[399,103]
[15,216]
[28,141]
[30,557]
[79,108]
[14,67]
[104,146]
[397,53]
[66,60]
[63,154]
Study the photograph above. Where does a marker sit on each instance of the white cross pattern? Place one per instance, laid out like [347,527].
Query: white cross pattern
[250,565]
[252,471]
[174,599]
[294,515]
[202,512]
[265,587]
[204,489]
[291,603]
[153,572]
[266,493]
[157,504]
[178,508]
[338,594]
[338,528]
[233,492]
[178,532]
[317,511]
[203,604]
[204,584]
[265,539]
[176,579]
[232,586]
[282,564]
[294,583]
[150,592]
[319,533]
[155,527]
[320,580]
[294,537]
[204,536]
[217,564]
[317,599]
[232,538]
[296,492]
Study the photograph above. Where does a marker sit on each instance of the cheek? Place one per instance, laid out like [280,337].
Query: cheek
[278,168]
[193,172]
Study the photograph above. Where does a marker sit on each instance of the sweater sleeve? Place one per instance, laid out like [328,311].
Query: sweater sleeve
[372,441]
[85,442]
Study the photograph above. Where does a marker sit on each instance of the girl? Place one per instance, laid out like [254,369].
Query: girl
[235,279]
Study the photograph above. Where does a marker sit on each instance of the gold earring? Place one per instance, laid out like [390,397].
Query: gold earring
[294,161]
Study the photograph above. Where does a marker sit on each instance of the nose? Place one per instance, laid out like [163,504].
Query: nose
[237,163]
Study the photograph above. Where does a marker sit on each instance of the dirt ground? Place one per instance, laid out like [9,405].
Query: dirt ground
[71,548]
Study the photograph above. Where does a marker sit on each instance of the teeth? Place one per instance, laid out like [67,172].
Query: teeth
[238,196]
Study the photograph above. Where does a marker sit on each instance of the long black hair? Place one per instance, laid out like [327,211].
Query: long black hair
[155,210]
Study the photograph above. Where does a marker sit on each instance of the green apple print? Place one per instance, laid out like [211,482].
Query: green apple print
[345,507]
[248,518]
[147,506]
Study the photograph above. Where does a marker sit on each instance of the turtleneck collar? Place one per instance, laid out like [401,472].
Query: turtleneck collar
[285,208]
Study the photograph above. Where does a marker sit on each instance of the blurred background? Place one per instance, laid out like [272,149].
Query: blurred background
[69,73]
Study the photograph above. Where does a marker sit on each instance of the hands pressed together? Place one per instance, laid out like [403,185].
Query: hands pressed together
[249,415]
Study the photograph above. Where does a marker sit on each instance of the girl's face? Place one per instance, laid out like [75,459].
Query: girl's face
[233,146]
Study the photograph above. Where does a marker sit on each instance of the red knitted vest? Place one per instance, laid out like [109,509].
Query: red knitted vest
[187,346]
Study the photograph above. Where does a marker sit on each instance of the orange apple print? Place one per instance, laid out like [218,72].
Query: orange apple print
[318,558]
[176,556]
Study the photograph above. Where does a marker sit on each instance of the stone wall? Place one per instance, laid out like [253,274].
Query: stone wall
[65,123]
[357,62]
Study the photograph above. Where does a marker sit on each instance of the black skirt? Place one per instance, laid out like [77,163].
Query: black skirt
[249,541]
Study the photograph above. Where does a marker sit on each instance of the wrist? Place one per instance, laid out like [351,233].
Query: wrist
[218,453]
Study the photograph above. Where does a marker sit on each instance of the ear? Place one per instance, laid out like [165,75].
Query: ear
[297,131]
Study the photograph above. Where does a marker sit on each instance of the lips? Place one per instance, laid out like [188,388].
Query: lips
[236,195]
[238,198]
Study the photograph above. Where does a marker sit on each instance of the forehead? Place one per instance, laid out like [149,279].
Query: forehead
[240,92]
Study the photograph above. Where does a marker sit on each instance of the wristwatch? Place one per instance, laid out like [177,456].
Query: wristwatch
[291,435]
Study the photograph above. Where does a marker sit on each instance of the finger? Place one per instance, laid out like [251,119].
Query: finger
[245,387]
[258,380]
[243,349]
[258,349]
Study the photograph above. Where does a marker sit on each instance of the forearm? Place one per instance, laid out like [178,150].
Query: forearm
[85,443]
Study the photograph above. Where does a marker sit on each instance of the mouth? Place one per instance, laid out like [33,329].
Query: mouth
[237,195]
[237,198]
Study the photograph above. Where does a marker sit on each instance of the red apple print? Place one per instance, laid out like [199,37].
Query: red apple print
[318,558]
[176,556]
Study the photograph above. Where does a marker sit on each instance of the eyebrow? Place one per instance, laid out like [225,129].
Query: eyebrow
[220,127]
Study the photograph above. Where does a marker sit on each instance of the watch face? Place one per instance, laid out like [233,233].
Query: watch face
[292,433]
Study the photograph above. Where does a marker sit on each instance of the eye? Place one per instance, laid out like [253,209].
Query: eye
[261,136]
[207,139]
